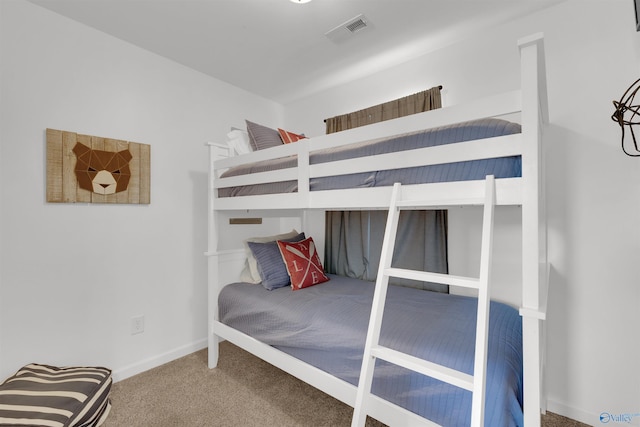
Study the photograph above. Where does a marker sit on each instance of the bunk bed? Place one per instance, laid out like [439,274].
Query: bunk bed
[300,179]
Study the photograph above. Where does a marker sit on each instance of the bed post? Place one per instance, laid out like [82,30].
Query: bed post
[216,151]
[534,259]
[212,305]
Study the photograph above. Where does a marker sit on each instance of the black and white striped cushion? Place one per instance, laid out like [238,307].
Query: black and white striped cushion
[42,395]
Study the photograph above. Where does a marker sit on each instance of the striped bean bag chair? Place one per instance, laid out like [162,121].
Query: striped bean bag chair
[41,395]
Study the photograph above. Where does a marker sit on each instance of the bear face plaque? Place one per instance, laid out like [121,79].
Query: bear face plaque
[91,169]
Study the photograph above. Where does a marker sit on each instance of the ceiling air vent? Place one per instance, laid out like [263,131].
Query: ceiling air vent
[348,29]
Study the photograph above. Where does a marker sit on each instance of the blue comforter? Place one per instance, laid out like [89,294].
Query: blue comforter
[325,325]
[503,167]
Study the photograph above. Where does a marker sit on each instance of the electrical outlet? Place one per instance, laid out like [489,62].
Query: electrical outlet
[137,324]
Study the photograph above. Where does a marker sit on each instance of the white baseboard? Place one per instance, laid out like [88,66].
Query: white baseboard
[155,361]
[568,411]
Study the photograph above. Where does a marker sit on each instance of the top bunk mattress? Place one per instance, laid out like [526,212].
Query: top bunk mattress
[325,325]
[503,167]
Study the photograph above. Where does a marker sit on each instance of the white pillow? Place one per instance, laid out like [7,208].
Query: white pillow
[238,140]
[250,273]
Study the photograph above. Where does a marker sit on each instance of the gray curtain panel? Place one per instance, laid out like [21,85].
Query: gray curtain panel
[354,242]
[354,238]
[426,100]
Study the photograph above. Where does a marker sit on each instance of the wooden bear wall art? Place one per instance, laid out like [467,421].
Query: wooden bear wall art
[92,169]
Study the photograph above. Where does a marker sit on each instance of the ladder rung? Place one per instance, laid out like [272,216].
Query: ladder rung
[401,417]
[427,276]
[439,203]
[439,372]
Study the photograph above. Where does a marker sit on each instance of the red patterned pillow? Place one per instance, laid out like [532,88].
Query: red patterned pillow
[303,263]
[288,137]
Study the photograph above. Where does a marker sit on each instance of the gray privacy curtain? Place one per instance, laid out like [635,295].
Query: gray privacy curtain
[417,103]
[354,238]
[354,242]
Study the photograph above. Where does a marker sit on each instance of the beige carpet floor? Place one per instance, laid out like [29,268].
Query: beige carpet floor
[243,391]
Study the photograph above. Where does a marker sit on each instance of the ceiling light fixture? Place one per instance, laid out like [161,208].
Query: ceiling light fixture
[300,1]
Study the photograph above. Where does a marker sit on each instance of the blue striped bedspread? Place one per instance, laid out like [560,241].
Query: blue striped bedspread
[503,167]
[325,326]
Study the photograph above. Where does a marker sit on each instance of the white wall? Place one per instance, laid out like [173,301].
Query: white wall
[73,275]
[593,55]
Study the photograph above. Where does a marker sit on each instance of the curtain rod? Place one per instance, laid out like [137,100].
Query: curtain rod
[439,87]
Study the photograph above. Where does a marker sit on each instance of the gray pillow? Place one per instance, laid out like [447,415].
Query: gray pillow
[250,273]
[261,137]
[273,270]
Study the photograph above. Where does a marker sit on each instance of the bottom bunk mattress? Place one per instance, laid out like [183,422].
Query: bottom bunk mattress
[325,326]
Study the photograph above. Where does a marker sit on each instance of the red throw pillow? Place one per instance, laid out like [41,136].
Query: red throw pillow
[303,263]
[288,137]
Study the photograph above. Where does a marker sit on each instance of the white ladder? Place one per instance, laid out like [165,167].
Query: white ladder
[372,351]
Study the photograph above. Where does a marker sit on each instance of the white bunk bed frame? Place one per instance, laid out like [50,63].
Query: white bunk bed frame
[527,191]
